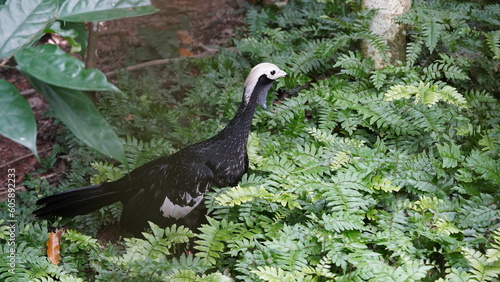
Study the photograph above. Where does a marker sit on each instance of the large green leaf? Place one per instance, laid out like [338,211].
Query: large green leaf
[22,22]
[17,122]
[103,10]
[80,115]
[52,65]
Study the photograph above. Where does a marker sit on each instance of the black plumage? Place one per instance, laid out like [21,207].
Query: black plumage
[170,189]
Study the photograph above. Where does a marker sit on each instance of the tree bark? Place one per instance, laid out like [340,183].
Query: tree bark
[383,24]
[91,54]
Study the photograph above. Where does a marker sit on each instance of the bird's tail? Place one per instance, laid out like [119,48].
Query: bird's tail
[79,201]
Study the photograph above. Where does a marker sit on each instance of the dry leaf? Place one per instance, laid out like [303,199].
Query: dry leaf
[184,37]
[54,246]
[185,53]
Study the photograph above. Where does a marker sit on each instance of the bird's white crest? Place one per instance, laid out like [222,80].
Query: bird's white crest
[270,70]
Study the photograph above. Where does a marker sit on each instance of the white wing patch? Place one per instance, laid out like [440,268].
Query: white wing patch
[172,210]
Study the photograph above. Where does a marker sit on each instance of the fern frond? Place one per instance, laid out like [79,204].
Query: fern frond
[451,96]
[333,141]
[342,221]
[484,165]
[322,269]
[155,246]
[105,172]
[413,51]
[274,274]
[238,195]
[482,269]
[410,271]
[387,119]
[340,159]
[493,41]
[432,31]
[450,153]
[477,212]
[491,140]
[428,93]
[180,275]
[384,184]
[427,119]
[140,152]
[447,67]
[257,20]
[446,227]
[378,78]
[344,194]
[331,47]
[253,147]
[307,61]
[190,261]
[210,243]
[354,65]
[83,241]
[256,46]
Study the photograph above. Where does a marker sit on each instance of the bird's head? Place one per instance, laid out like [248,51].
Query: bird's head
[259,81]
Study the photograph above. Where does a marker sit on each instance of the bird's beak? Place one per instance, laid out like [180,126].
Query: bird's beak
[282,74]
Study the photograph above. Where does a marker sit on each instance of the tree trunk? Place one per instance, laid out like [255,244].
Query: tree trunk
[383,24]
[91,56]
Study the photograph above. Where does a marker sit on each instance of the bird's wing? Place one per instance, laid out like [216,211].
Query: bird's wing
[168,192]
[186,186]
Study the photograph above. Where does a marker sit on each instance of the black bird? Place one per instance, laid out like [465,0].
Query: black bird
[170,189]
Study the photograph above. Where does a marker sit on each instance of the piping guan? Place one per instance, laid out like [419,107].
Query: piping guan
[171,189]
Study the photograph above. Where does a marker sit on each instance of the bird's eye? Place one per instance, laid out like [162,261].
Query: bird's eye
[273,72]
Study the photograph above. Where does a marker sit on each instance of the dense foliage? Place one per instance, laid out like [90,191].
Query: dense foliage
[56,75]
[357,174]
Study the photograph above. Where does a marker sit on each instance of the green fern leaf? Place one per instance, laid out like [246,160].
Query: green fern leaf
[454,72]
[378,78]
[257,20]
[450,153]
[432,31]
[446,227]
[105,172]
[428,93]
[82,241]
[493,41]
[342,221]
[352,64]
[384,184]
[413,51]
[482,270]
[340,159]
[487,167]
[273,274]
[210,242]
[182,275]
[238,195]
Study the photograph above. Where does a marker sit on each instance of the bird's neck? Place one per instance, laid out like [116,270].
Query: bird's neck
[242,121]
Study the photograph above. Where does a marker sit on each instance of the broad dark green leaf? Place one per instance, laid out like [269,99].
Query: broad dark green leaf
[22,22]
[103,10]
[81,117]
[17,122]
[52,65]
